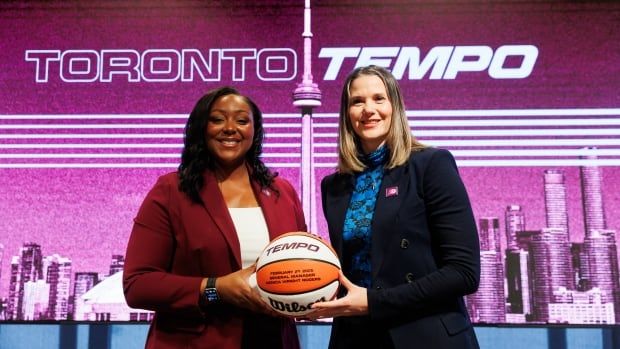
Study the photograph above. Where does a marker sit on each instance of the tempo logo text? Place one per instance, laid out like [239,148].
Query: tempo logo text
[446,61]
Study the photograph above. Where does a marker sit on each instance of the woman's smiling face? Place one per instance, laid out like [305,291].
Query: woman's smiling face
[370,111]
[230,130]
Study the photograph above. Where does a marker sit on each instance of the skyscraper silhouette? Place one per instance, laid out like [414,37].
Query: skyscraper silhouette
[84,281]
[1,258]
[27,267]
[58,275]
[517,265]
[488,303]
[592,195]
[600,248]
[518,282]
[599,245]
[555,200]
[489,234]
[551,269]
[118,261]
[515,221]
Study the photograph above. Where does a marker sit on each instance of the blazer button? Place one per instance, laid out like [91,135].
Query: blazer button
[404,243]
[378,287]
[409,277]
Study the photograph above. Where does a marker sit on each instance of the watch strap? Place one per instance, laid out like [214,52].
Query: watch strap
[211,282]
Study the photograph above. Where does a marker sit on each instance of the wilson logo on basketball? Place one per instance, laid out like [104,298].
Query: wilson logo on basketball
[293,307]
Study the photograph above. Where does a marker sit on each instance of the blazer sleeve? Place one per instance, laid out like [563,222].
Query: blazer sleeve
[147,282]
[455,246]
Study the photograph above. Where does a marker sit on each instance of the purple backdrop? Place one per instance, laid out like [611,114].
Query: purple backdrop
[78,153]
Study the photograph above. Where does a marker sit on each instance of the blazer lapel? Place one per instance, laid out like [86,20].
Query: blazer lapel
[393,190]
[267,201]
[337,204]
[215,205]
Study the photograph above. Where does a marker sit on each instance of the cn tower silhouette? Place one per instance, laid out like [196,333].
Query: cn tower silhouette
[306,97]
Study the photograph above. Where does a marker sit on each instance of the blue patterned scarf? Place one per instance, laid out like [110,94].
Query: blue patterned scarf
[356,231]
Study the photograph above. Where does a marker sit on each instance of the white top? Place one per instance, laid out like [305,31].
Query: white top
[251,231]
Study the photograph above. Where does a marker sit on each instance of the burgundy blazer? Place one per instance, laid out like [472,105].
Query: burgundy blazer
[175,243]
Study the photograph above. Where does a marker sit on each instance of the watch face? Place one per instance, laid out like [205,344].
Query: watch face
[211,295]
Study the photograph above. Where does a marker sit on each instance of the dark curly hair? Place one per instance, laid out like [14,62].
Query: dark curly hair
[196,158]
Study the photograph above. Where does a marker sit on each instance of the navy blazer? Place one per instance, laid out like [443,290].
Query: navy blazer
[425,255]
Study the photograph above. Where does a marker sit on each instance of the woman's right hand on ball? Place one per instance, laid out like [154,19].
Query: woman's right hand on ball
[235,289]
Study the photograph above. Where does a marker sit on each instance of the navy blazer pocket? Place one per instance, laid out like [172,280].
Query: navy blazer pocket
[454,323]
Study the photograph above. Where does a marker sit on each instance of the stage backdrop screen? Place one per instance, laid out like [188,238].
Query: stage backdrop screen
[526,95]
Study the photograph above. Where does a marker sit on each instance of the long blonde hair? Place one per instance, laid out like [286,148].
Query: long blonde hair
[399,139]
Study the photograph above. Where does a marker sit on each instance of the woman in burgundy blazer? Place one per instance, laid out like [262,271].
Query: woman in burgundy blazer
[184,259]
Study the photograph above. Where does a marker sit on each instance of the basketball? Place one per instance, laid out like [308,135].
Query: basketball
[296,270]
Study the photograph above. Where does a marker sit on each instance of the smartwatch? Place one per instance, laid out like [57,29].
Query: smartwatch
[210,294]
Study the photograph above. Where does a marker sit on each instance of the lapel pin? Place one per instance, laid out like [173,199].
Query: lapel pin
[391,191]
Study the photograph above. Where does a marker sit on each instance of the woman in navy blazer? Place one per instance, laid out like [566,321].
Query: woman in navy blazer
[186,254]
[400,219]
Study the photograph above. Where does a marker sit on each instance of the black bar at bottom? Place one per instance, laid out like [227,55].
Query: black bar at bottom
[611,338]
[557,338]
[99,336]
[68,336]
